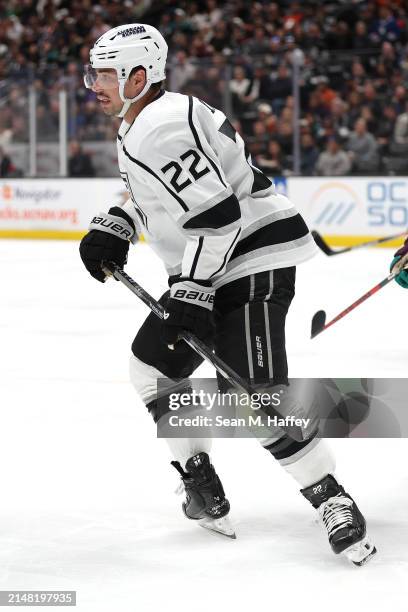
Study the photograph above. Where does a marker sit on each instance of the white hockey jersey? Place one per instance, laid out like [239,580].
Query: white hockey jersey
[201,205]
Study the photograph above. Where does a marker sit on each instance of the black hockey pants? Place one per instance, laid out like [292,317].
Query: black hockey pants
[250,318]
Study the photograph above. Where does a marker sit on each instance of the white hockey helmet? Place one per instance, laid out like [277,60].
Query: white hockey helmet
[123,48]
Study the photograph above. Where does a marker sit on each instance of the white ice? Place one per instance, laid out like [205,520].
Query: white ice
[86,498]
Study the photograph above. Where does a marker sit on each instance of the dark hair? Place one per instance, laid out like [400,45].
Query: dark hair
[153,86]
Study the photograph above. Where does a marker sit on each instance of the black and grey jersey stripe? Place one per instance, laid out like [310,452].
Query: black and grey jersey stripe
[213,216]
[196,256]
[227,252]
[276,233]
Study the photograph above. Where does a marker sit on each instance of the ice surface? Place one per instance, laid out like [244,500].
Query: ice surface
[87,500]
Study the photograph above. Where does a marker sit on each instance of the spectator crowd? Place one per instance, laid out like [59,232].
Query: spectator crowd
[236,55]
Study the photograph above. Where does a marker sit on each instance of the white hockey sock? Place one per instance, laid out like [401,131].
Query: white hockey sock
[144,379]
[311,463]
[184,448]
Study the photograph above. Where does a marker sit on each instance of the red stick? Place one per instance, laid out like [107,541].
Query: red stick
[318,325]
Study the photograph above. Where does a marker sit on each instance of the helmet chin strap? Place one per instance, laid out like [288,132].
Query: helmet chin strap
[128,101]
[124,110]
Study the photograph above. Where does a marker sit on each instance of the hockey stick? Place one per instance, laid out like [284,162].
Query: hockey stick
[319,319]
[112,269]
[327,250]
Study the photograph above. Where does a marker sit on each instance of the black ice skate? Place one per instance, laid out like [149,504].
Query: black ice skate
[345,525]
[205,497]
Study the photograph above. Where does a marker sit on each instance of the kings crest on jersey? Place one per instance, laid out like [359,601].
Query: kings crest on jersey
[202,206]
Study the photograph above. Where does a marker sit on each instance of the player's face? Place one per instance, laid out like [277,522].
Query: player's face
[105,85]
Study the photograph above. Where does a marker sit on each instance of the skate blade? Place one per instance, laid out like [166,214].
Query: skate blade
[361,552]
[222,526]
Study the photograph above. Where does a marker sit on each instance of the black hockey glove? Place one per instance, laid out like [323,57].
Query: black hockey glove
[189,308]
[107,240]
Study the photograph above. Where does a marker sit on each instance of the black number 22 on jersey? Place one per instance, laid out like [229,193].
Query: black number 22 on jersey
[178,169]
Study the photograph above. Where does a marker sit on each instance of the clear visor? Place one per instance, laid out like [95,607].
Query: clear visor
[104,78]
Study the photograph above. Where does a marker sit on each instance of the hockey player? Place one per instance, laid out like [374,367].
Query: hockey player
[399,262]
[230,245]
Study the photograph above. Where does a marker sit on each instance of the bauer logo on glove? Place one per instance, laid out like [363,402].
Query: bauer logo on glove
[193,296]
[109,223]
[189,308]
[107,240]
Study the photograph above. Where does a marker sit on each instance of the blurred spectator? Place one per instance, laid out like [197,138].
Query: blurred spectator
[285,136]
[367,115]
[260,133]
[388,57]
[358,73]
[361,39]
[6,167]
[354,106]
[264,111]
[334,161]
[99,27]
[182,70]
[385,27]
[338,36]
[220,39]
[361,144]
[272,162]
[280,87]
[258,44]
[401,127]
[339,115]
[19,128]
[325,95]
[385,127]
[208,18]
[370,99]
[5,136]
[309,154]
[313,39]
[243,90]
[47,124]
[79,163]
[399,99]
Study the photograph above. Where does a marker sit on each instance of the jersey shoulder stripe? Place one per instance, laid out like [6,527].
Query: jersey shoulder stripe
[197,139]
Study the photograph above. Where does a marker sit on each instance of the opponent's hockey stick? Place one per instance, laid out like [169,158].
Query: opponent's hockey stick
[319,319]
[327,250]
[110,268]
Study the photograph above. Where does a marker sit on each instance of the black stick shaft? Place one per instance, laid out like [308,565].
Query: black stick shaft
[372,242]
[194,342]
[329,251]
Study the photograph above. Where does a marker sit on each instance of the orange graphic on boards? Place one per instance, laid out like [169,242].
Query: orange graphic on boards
[6,192]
